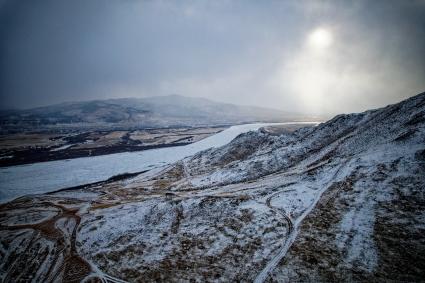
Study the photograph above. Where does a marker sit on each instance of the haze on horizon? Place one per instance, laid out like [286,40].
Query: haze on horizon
[313,57]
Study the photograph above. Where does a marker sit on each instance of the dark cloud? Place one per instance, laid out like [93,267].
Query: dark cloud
[250,52]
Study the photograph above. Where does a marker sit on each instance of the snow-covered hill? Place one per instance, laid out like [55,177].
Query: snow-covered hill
[342,201]
[161,111]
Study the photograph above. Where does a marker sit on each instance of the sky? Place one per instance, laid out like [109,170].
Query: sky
[313,57]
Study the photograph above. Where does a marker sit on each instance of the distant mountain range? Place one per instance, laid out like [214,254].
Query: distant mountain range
[161,111]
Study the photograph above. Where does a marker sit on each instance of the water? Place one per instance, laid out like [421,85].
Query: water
[49,176]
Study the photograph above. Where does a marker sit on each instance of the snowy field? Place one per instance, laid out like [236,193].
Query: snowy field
[45,177]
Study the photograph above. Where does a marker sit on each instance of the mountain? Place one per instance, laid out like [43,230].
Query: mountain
[341,201]
[150,112]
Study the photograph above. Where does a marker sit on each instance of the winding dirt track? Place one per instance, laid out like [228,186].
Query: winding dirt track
[275,260]
[281,211]
[66,265]
[72,268]
[291,236]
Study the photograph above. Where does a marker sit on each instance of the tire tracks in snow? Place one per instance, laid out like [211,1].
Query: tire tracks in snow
[275,260]
[293,228]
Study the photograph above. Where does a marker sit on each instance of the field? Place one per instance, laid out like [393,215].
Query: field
[24,148]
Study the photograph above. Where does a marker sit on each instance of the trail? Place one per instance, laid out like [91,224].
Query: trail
[67,265]
[275,260]
[294,229]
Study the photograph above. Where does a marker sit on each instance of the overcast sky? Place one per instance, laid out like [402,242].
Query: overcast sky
[317,57]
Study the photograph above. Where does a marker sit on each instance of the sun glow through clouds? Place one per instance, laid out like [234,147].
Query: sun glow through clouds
[313,72]
[315,69]
[320,38]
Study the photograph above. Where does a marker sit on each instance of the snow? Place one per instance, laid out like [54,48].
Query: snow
[361,248]
[62,147]
[6,157]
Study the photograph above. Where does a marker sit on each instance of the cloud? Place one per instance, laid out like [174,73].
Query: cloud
[245,52]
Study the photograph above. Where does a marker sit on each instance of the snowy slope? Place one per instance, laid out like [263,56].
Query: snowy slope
[342,201]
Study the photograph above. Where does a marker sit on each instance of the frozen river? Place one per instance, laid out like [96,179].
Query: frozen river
[49,176]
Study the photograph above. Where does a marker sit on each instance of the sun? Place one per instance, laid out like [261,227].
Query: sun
[320,38]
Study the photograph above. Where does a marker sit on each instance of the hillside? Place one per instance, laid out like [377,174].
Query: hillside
[150,112]
[342,201]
